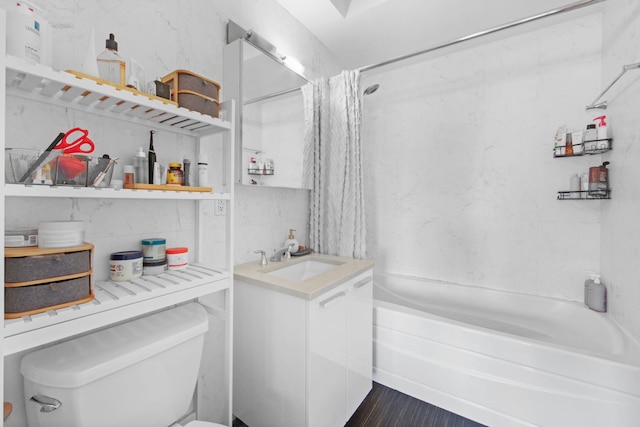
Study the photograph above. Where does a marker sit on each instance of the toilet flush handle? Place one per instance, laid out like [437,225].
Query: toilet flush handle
[48,404]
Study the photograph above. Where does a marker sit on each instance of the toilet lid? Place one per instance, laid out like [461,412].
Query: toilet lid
[203,424]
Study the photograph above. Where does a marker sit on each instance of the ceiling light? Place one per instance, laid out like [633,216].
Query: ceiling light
[294,64]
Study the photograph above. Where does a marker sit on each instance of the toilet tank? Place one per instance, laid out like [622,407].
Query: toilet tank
[140,373]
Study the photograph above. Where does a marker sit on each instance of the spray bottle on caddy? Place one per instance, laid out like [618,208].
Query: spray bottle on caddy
[602,130]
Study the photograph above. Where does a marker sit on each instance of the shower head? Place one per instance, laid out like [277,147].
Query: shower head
[371,89]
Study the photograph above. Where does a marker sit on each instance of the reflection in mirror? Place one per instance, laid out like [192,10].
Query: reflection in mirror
[270,118]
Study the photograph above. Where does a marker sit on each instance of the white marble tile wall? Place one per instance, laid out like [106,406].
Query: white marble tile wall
[460,180]
[620,223]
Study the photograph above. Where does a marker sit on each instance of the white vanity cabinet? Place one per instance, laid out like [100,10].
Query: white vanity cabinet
[302,362]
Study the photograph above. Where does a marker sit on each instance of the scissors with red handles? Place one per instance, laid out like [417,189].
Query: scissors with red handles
[76,140]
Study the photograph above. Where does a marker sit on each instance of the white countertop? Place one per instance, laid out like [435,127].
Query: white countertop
[346,268]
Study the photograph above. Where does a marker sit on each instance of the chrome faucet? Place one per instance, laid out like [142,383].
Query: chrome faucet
[263,257]
[286,251]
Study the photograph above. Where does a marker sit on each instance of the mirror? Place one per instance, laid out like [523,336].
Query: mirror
[269,116]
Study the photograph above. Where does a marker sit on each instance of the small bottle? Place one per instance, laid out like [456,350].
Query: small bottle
[591,133]
[253,166]
[574,186]
[186,165]
[141,167]
[584,183]
[111,66]
[599,179]
[175,176]
[203,171]
[129,174]
[568,145]
[560,142]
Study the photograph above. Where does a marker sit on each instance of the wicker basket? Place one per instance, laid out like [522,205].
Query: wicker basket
[37,280]
[194,92]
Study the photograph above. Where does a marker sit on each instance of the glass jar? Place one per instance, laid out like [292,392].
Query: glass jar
[175,176]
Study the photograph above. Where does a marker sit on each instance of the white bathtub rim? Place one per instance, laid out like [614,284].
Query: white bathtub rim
[630,354]
[490,343]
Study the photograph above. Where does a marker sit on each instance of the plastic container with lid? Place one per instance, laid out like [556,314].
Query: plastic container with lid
[125,265]
[19,237]
[177,258]
[60,234]
[154,249]
[152,268]
[175,176]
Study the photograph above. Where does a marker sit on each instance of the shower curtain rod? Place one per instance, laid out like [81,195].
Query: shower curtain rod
[568,8]
[563,9]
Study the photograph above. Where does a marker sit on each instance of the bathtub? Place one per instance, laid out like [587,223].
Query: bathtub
[504,359]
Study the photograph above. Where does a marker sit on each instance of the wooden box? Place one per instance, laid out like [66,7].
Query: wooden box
[194,92]
[37,280]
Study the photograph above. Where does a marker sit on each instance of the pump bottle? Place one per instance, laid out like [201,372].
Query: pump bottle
[111,66]
[292,240]
[595,294]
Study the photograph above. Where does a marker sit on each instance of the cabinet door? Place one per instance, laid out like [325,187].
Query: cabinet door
[269,357]
[327,380]
[359,340]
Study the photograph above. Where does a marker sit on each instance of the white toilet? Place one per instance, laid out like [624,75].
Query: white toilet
[140,373]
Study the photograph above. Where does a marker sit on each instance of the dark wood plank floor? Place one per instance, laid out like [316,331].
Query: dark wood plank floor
[385,407]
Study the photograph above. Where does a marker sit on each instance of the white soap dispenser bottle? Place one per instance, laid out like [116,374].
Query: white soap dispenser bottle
[595,294]
[292,240]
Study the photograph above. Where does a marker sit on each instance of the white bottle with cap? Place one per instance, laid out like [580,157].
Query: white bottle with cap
[23,32]
[141,167]
[574,186]
[203,171]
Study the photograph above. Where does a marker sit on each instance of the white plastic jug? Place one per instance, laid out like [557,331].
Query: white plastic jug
[26,32]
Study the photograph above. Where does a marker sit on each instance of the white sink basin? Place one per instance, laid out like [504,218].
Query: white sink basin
[303,270]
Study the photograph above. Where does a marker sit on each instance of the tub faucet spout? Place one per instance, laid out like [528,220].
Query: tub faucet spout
[286,251]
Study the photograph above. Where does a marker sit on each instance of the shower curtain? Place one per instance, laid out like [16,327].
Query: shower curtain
[333,165]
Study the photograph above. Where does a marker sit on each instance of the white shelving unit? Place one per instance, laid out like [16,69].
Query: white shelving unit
[119,301]
[113,300]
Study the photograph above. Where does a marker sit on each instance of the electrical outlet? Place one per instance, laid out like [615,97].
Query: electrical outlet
[221,207]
